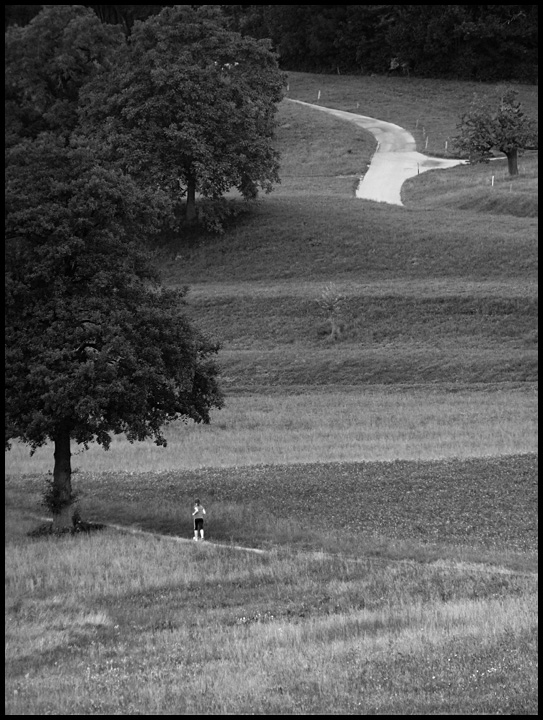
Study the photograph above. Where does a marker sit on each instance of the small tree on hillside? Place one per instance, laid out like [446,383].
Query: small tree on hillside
[190,106]
[332,304]
[94,345]
[499,126]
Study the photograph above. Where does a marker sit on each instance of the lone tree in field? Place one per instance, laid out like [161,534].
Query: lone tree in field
[501,126]
[189,106]
[332,304]
[94,345]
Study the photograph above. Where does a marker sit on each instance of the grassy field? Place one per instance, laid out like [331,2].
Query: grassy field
[303,425]
[113,624]
[389,474]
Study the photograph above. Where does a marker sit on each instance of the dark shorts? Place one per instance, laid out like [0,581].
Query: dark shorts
[199,524]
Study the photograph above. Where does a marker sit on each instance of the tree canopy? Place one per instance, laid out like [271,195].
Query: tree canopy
[190,105]
[471,42]
[47,62]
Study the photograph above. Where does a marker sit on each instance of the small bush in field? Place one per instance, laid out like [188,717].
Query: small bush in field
[333,305]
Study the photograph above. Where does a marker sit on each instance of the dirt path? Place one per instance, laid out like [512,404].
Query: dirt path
[131,530]
[395,160]
[315,554]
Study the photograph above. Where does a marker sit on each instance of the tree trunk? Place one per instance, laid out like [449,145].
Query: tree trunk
[62,481]
[512,161]
[190,215]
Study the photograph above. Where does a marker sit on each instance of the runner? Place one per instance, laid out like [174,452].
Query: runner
[198,517]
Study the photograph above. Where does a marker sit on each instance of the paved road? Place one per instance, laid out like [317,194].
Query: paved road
[395,160]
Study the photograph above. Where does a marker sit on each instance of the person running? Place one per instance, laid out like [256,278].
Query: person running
[198,517]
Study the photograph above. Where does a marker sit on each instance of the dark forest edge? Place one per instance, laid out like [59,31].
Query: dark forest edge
[487,43]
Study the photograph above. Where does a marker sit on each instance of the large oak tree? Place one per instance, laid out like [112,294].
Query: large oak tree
[94,345]
[190,105]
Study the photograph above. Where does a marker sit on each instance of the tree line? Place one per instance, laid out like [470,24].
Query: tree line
[468,42]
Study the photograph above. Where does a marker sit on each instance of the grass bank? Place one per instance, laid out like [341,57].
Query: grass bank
[301,424]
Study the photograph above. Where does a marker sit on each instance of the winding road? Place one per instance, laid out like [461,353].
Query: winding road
[395,160]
